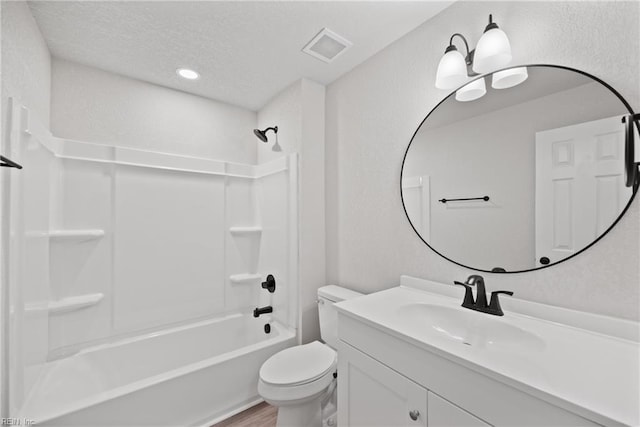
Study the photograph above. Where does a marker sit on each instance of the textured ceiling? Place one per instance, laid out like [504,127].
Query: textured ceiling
[246,52]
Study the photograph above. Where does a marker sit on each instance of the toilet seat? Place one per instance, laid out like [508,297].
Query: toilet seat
[297,374]
[299,365]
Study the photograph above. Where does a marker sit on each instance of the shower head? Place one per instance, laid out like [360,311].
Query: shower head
[262,134]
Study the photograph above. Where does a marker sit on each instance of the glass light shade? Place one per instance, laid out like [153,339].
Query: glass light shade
[472,91]
[188,74]
[493,51]
[509,78]
[452,70]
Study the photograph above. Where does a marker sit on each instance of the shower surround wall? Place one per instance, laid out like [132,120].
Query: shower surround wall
[115,246]
[96,106]
[93,105]
[373,111]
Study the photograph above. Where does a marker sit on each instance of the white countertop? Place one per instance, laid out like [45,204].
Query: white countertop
[595,373]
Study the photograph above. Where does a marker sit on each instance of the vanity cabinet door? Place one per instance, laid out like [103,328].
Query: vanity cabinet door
[445,414]
[373,395]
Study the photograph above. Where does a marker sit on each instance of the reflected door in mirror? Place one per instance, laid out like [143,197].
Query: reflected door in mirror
[579,185]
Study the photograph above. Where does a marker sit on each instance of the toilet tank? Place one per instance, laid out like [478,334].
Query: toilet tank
[328,315]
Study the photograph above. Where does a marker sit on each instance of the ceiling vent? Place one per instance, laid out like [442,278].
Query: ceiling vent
[327,46]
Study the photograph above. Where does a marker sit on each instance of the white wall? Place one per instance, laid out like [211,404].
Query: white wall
[88,104]
[373,111]
[26,61]
[284,111]
[25,74]
[299,113]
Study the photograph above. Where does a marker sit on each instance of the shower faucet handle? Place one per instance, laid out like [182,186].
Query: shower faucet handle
[269,284]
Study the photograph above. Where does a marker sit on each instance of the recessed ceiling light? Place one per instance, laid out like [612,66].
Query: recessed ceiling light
[188,74]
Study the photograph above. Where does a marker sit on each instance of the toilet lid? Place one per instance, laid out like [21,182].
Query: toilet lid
[298,365]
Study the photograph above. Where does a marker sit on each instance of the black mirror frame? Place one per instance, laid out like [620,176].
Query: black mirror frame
[632,168]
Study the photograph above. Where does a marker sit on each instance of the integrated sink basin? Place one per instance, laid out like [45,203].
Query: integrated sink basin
[470,327]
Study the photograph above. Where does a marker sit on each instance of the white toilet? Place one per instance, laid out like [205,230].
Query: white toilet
[297,380]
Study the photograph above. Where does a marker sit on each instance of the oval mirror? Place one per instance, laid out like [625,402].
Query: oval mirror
[523,177]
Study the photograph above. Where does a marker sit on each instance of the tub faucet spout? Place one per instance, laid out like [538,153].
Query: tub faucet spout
[263,310]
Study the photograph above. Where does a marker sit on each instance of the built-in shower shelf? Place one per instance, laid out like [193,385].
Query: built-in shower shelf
[245,230]
[79,302]
[244,277]
[68,304]
[76,235]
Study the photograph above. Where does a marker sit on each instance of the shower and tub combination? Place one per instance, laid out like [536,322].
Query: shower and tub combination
[131,278]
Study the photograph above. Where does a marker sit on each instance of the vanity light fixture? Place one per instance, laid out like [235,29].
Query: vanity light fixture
[492,52]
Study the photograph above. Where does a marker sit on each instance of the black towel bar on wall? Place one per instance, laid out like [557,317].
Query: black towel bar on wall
[485,198]
[8,163]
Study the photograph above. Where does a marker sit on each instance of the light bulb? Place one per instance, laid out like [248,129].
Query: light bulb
[472,91]
[492,52]
[452,70]
[509,78]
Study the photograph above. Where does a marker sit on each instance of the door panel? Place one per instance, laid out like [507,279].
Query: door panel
[374,395]
[579,185]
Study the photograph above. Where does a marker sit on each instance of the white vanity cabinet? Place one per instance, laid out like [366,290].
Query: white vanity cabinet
[383,378]
[374,395]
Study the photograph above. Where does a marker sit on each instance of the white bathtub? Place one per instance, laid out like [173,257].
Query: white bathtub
[191,375]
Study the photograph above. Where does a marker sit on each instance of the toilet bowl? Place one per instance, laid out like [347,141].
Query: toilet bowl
[299,379]
[295,380]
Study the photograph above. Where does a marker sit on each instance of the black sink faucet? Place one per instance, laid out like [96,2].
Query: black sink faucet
[480,303]
[263,310]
